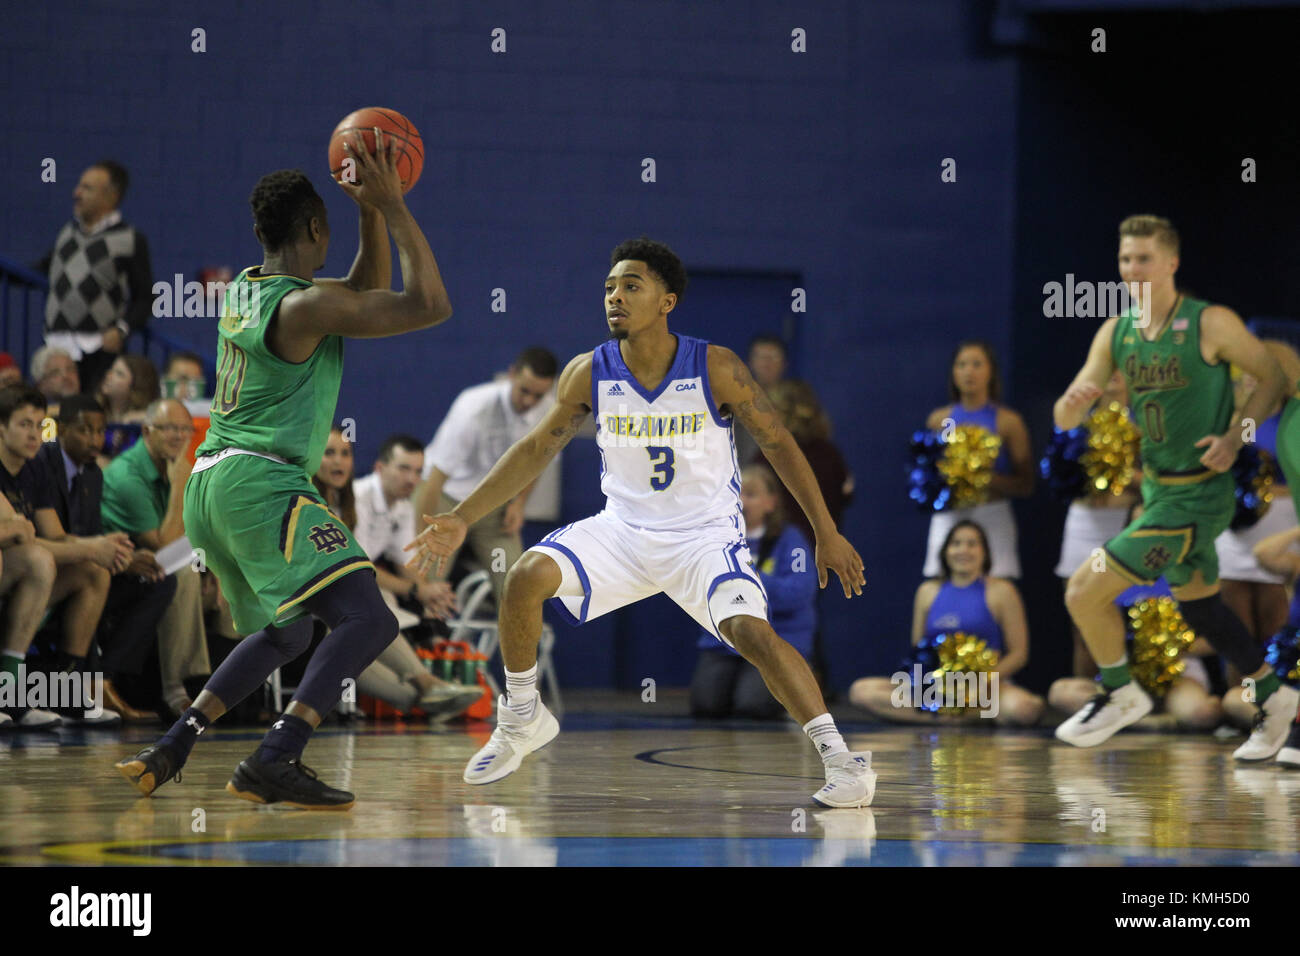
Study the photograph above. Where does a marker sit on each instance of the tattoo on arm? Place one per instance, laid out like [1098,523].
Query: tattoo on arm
[560,436]
[755,406]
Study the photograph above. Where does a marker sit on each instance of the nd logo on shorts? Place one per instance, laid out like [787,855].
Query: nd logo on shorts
[1156,557]
[327,538]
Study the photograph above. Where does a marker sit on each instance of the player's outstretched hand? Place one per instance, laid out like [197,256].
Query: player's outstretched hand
[1222,453]
[444,534]
[839,556]
[378,182]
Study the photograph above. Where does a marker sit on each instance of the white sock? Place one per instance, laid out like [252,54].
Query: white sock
[521,692]
[821,731]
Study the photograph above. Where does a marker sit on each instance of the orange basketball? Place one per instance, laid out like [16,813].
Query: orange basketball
[395,126]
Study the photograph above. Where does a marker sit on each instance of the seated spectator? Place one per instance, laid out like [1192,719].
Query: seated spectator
[483,422]
[334,477]
[767,363]
[807,421]
[183,377]
[130,385]
[55,374]
[26,578]
[10,373]
[377,509]
[144,491]
[81,568]
[724,683]
[139,593]
[964,599]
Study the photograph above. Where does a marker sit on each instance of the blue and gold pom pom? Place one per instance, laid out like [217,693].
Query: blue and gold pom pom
[949,652]
[1283,655]
[952,473]
[1099,456]
[1254,472]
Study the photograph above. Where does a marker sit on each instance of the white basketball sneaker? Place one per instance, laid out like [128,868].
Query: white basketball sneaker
[511,742]
[1272,724]
[850,781]
[1289,756]
[1105,715]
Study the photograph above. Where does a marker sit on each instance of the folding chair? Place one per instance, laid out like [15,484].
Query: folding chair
[481,631]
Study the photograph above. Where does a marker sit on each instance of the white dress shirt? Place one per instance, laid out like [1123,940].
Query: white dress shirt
[479,428]
[382,531]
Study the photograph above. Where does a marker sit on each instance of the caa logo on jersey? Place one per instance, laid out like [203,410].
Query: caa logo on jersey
[686,387]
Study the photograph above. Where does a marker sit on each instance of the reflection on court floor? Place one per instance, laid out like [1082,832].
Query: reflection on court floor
[623,790]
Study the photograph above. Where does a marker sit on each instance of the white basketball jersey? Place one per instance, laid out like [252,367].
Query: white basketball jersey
[667,458]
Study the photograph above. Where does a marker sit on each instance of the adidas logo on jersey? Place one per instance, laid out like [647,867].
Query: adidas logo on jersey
[615,389]
[739,599]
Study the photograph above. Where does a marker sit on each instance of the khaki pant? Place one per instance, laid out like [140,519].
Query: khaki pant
[495,550]
[390,675]
[182,641]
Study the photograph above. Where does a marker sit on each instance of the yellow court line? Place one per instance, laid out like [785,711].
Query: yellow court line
[99,852]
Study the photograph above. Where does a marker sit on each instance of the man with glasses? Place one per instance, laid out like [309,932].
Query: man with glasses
[55,374]
[144,495]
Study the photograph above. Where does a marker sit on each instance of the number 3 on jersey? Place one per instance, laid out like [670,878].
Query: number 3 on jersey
[230,377]
[661,467]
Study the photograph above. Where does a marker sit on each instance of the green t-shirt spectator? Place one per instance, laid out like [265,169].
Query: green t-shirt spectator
[135,493]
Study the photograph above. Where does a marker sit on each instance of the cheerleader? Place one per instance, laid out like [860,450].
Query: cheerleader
[965,598]
[975,389]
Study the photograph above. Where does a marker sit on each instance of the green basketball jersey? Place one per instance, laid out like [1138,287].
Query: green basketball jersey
[261,402]
[1175,397]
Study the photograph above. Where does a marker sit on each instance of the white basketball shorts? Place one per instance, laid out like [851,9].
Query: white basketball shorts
[608,564]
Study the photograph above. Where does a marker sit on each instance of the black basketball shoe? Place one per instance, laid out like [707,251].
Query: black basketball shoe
[289,782]
[151,768]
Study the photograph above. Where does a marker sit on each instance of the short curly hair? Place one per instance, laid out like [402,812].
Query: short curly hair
[661,260]
[283,203]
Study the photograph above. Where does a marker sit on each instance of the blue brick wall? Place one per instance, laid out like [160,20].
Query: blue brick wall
[825,164]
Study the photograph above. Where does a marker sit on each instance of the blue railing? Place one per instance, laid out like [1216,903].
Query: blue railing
[22,310]
[22,320]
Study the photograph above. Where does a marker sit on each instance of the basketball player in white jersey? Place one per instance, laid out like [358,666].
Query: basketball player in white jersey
[664,407]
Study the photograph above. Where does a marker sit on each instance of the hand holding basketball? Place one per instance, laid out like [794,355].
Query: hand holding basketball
[399,132]
[378,182]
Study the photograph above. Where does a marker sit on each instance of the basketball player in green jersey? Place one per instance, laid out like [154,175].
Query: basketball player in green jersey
[1288,456]
[251,510]
[1174,353]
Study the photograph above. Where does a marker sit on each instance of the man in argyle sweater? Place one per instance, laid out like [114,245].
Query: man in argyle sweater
[100,280]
